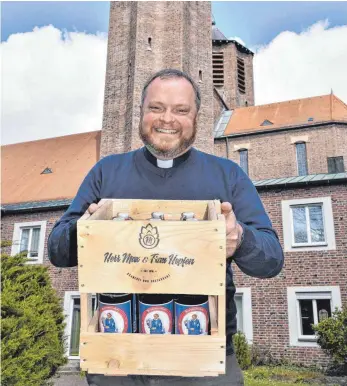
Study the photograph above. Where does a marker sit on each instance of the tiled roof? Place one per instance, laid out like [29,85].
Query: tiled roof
[217,34]
[290,182]
[69,158]
[35,205]
[293,113]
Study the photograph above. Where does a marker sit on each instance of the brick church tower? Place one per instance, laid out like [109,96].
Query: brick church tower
[232,71]
[145,37]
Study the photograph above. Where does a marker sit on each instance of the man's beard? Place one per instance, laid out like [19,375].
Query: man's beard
[180,148]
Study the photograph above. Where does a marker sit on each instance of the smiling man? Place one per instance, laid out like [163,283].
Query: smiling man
[169,168]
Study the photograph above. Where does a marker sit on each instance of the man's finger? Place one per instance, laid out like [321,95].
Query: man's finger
[93,208]
[226,207]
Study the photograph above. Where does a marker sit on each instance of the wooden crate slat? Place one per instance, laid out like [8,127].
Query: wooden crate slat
[212,305]
[109,372]
[86,311]
[199,246]
[142,209]
[126,352]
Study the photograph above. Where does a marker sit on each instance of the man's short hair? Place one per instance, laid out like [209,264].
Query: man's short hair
[173,73]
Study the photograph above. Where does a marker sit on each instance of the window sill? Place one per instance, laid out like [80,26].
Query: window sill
[309,245]
[308,338]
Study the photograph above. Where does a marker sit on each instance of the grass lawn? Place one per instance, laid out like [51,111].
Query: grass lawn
[281,376]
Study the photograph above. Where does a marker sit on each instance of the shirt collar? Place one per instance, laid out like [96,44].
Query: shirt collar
[167,163]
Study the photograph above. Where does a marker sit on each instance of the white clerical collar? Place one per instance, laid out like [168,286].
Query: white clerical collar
[165,164]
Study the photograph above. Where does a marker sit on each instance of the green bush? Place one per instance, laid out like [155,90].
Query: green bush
[32,343]
[332,337]
[242,350]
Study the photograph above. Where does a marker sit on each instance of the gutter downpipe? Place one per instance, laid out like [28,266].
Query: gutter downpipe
[227,146]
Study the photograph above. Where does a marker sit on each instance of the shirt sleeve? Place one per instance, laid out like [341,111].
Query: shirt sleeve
[260,253]
[62,241]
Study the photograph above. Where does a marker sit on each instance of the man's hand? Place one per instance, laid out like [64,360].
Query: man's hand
[94,207]
[234,230]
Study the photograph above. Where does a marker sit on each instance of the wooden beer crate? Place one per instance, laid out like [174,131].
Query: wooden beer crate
[143,256]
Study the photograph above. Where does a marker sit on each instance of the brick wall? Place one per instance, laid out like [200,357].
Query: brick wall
[316,268]
[279,160]
[63,279]
[180,34]
[229,91]
[269,297]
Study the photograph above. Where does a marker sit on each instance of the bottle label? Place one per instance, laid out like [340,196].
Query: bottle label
[115,318]
[156,318]
[191,319]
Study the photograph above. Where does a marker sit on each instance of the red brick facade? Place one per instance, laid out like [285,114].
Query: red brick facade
[63,279]
[273,155]
[316,268]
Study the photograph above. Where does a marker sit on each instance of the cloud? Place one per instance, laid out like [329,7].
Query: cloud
[302,65]
[52,84]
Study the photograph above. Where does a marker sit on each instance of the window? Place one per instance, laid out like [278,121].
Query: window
[241,85]
[72,311]
[336,165]
[218,68]
[149,43]
[244,160]
[200,76]
[308,224]
[308,306]
[266,123]
[301,158]
[29,237]
[243,301]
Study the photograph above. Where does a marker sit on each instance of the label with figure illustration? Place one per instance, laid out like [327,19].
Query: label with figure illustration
[191,319]
[156,318]
[115,318]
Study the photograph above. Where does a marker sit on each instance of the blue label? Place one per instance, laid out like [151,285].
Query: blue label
[156,318]
[191,319]
[115,318]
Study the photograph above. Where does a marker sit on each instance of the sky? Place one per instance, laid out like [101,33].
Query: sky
[54,58]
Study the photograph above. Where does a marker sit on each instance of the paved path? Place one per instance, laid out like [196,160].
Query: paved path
[69,380]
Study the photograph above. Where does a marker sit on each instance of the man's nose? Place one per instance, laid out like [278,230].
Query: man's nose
[167,116]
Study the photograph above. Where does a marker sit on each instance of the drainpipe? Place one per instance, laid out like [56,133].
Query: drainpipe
[227,146]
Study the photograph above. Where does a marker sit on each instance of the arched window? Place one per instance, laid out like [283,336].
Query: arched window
[244,160]
[301,158]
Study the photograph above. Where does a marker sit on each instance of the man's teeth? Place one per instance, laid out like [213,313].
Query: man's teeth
[166,131]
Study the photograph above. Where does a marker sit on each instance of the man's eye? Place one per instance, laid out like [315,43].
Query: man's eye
[183,111]
[154,108]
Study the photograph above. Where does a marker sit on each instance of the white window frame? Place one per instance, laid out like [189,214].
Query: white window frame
[308,228]
[294,320]
[288,226]
[69,297]
[246,294]
[17,232]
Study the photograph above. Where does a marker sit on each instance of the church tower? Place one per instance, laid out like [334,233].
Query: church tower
[232,71]
[144,37]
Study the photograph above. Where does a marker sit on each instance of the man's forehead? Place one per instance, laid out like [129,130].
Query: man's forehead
[172,85]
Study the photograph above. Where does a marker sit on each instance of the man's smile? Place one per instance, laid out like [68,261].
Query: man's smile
[165,131]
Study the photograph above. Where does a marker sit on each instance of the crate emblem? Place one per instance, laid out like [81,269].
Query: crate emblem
[149,237]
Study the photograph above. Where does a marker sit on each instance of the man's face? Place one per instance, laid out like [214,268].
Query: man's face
[194,317]
[156,316]
[168,117]
[109,316]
